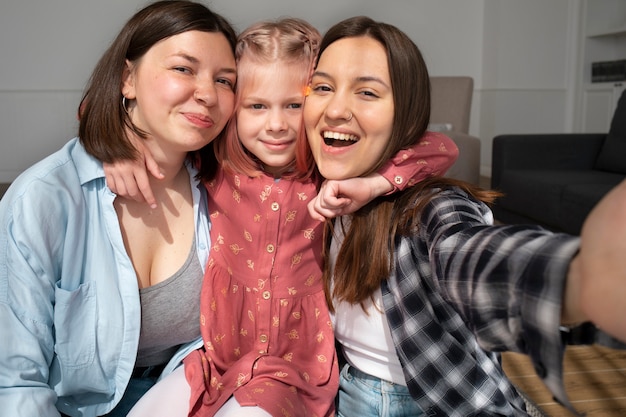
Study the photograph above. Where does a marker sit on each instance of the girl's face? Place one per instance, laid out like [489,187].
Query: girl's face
[182,90]
[269,115]
[349,113]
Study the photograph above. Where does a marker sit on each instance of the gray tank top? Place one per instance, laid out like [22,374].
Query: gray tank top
[170,313]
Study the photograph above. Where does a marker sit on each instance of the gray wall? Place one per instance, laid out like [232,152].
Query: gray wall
[518,52]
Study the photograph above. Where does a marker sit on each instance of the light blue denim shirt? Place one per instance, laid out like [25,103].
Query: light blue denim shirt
[69,301]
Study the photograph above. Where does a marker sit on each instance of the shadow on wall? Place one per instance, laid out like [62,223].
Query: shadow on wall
[3,189]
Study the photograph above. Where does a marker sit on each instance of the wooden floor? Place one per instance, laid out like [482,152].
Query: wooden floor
[595,380]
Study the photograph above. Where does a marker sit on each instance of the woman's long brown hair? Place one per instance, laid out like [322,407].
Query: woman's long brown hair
[366,257]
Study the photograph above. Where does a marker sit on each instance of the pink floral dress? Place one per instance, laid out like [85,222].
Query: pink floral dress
[268,338]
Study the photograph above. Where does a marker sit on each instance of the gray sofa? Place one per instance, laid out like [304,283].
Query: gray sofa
[556,179]
[451,104]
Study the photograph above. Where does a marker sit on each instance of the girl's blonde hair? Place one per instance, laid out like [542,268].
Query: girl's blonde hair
[286,41]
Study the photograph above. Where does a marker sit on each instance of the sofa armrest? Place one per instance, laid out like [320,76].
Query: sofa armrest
[544,151]
[467,166]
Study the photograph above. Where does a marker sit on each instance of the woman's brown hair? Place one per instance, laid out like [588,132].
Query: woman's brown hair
[103,120]
[366,254]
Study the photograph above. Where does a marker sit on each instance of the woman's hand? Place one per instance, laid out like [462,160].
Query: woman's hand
[602,263]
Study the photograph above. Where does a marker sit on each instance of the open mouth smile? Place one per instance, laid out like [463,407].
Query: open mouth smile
[339,139]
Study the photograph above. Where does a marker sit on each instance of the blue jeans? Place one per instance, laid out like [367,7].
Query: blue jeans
[136,388]
[362,395]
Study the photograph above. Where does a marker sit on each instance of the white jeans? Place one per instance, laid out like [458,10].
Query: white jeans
[170,398]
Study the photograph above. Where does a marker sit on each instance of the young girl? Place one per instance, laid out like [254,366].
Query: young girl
[268,340]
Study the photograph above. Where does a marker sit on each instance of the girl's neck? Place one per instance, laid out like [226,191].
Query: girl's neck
[279,172]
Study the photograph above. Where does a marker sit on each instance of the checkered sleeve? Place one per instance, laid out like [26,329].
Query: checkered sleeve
[506,282]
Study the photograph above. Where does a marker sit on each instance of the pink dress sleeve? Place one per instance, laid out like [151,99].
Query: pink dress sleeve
[433,155]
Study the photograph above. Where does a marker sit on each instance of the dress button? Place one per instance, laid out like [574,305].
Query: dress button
[270,248]
[266,295]
[398,179]
[263,338]
[275,206]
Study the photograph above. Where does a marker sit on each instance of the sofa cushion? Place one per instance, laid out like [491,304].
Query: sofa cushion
[537,193]
[612,155]
[580,199]
[540,194]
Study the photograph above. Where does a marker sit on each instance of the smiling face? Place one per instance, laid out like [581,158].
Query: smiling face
[181,91]
[349,113]
[269,115]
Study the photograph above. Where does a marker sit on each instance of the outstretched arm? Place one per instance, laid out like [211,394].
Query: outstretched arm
[507,282]
[514,285]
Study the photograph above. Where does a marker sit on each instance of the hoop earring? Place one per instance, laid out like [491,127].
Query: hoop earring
[124,104]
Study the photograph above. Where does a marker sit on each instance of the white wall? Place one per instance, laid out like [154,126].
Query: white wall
[514,51]
[527,84]
[47,52]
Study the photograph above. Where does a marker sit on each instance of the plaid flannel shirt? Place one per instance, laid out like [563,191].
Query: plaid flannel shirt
[461,291]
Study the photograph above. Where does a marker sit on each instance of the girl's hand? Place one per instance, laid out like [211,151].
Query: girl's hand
[129,178]
[337,198]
